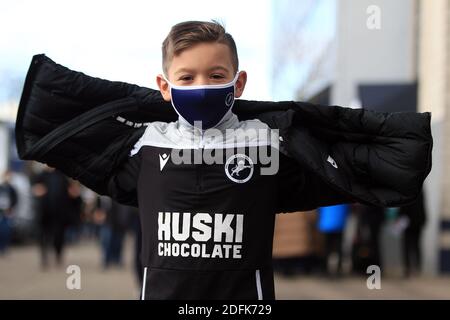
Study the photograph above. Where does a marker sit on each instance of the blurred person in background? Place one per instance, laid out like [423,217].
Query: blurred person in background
[74,213]
[8,200]
[366,244]
[58,203]
[332,221]
[415,217]
[114,219]
[90,229]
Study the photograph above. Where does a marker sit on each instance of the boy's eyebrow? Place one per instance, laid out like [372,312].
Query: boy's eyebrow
[219,68]
[181,70]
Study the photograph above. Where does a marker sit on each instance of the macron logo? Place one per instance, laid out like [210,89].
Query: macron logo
[163,160]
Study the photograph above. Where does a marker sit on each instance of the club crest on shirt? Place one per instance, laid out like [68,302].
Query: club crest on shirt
[239,168]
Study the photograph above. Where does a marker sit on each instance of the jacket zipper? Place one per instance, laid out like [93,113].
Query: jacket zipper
[199,167]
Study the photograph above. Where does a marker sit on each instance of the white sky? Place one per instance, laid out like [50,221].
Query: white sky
[311,41]
[121,40]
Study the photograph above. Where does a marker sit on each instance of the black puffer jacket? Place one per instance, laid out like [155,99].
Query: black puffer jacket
[86,127]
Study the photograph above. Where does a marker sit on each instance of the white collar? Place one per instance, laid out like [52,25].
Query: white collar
[229,121]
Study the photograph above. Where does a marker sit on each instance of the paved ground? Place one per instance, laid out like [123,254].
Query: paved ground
[356,288]
[21,278]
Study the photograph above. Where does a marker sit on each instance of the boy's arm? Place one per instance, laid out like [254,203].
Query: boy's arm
[122,186]
[302,190]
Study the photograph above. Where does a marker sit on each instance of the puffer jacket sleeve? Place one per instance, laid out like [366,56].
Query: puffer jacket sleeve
[302,190]
[82,125]
[380,159]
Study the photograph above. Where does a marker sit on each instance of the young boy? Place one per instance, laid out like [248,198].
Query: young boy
[207,221]
[209,173]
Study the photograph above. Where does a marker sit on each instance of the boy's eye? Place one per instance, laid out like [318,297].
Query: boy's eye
[217,76]
[186,78]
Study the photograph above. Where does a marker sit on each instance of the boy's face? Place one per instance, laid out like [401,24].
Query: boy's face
[202,64]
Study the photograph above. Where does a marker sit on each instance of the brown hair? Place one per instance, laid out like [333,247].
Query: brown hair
[184,35]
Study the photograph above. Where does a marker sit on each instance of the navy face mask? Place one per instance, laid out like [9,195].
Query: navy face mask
[203,106]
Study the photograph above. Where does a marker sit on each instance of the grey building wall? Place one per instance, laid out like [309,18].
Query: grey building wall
[370,55]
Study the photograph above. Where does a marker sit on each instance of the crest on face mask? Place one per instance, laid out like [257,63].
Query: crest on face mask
[229,99]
